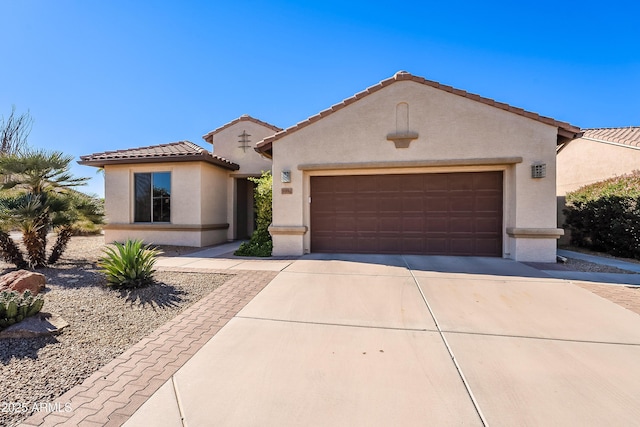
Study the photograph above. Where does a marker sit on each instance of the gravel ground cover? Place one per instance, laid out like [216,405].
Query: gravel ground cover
[103,324]
[590,267]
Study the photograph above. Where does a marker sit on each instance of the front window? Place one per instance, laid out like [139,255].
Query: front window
[152,197]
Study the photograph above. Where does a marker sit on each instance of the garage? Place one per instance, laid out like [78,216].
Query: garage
[430,213]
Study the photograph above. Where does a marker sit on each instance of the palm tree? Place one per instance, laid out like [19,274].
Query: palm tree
[37,195]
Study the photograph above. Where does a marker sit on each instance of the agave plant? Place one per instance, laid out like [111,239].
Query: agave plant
[129,265]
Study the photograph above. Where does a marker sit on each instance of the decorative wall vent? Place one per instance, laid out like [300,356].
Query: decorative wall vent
[402,137]
[244,140]
[538,170]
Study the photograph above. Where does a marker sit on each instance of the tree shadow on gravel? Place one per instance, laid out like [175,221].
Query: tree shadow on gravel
[23,348]
[156,295]
[82,277]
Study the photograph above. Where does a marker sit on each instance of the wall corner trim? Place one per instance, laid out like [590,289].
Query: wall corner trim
[297,230]
[535,233]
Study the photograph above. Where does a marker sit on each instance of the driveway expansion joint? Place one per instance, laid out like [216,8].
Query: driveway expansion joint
[449,349]
[305,322]
[487,334]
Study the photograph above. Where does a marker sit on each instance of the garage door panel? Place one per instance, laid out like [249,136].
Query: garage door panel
[488,203]
[412,204]
[462,225]
[389,224]
[436,204]
[462,204]
[437,224]
[390,205]
[412,225]
[389,245]
[437,182]
[367,203]
[487,247]
[413,245]
[442,213]
[462,246]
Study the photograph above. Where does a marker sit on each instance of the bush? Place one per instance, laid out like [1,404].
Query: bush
[605,216]
[15,307]
[129,265]
[260,243]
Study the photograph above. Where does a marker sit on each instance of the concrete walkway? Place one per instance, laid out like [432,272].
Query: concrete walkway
[393,340]
[613,278]
[221,258]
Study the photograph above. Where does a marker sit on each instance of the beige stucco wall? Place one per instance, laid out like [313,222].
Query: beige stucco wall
[449,127]
[198,204]
[583,161]
[225,144]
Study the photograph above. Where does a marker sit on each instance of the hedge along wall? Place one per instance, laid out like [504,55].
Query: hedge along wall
[605,216]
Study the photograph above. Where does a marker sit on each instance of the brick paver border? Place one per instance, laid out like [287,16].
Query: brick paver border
[113,393]
[625,296]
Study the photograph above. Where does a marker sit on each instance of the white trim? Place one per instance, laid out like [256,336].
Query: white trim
[611,143]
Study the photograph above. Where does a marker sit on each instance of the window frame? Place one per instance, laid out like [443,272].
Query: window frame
[152,198]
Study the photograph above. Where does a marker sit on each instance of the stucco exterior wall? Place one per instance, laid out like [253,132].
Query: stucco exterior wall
[449,127]
[225,144]
[198,204]
[582,162]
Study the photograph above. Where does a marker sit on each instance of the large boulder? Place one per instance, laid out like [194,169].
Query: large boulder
[22,280]
[36,326]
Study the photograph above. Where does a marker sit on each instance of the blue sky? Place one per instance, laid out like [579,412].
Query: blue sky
[103,75]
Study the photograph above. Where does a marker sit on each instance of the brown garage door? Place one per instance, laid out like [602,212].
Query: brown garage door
[435,214]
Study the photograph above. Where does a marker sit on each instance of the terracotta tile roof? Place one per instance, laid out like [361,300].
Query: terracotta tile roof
[565,130]
[244,118]
[182,151]
[625,136]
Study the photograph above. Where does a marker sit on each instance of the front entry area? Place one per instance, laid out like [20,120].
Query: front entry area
[431,213]
[245,212]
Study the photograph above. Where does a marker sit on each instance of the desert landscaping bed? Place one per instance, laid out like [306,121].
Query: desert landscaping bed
[103,323]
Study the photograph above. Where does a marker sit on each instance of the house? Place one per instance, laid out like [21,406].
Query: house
[406,166]
[597,155]
[182,194]
[413,166]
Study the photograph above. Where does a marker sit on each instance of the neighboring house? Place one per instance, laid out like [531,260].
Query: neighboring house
[407,166]
[198,198]
[598,155]
[412,166]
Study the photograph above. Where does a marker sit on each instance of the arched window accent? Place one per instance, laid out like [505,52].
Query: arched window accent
[402,137]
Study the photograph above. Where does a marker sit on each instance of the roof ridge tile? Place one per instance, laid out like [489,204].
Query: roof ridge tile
[245,117]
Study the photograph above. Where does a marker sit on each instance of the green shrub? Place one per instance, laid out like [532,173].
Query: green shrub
[129,265]
[605,216]
[260,243]
[15,307]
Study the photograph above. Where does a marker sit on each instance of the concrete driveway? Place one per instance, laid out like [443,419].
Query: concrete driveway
[392,340]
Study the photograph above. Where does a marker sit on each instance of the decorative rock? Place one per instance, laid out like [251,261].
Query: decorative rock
[35,326]
[22,280]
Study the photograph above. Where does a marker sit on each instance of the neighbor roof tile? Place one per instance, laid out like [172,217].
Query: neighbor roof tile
[625,135]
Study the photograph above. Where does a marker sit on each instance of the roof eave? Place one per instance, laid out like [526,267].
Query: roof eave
[209,136]
[100,163]
[566,131]
[568,134]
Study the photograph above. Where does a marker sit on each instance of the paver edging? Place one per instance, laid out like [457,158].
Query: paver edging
[161,362]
